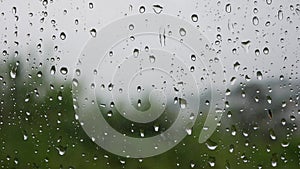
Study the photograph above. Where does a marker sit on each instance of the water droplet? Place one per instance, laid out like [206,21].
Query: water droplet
[142,9]
[63,70]
[272,134]
[194,18]
[131,27]
[157,9]
[274,160]
[269,2]
[280,15]
[61,150]
[266,50]
[259,75]
[110,87]
[193,57]
[255,20]
[14,10]
[52,70]
[75,82]
[257,52]
[212,161]
[13,71]
[93,32]
[236,66]
[228,8]
[152,59]
[182,103]
[91,5]
[211,145]
[136,52]
[62,36]
[182,32]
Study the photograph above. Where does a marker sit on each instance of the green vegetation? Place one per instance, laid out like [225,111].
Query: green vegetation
[38,129]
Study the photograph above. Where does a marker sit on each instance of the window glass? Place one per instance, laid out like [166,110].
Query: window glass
[149,84]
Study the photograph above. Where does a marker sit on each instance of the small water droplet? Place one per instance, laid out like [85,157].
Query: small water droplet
[152,59]
[157,9]
[91,5]
[52,70]
[272,134]
[62,36]
[211,145]
[142,9]
[93,32]
[182,103]
[110,87]
[193,57]
[63,70]
[182,32]
[228,8]
[266,50]
[259,75]
[131,27]
[236,66]
[136,52]
[194,17]
[269,2]
[255,20]
[280,15]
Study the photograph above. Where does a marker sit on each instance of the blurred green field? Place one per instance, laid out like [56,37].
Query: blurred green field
[38,130]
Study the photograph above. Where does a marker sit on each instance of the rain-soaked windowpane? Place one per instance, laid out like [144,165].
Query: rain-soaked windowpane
[149,84]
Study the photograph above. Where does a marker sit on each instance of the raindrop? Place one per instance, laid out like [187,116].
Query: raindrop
[255,20]
[193,57]
[269,2]
[211,145]
[13,72]
[61,150]
[236,66]
[131,27]
[93,32]
[182,32]
[14,10]
[157,9]
[228,8]
[266,50]
[280,15]
[272,134]
[138,89]
[194,18]
[136,52]
[152,59]
[62,36]
[142,9]
[274,160]
[110,87]
[91,5]
[182,103]
[259,75]
[63,70]
[52,70]
[257,52]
